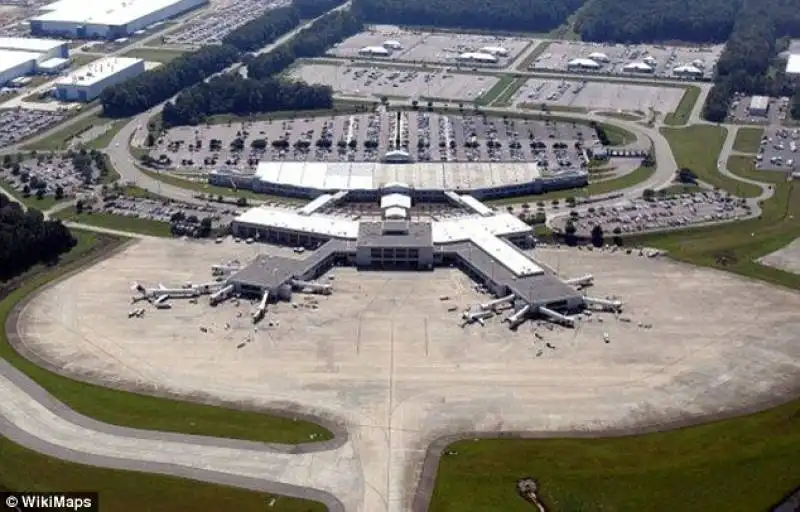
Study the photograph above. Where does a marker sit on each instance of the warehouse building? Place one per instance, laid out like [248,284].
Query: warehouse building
[46,48]
[86,83]
[758,106]
[688,71]
[638,67]
[15,64]
[115,19]
[579,64]
[478,57]
[375,51]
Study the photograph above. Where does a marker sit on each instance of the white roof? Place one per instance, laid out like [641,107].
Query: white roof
[97,71]
[793,64]
[111,12]
[494,50]
[328,176]
[396,212]
[688,69]
[759,102]
[395,200]
[477,206]
[638,65]
[464,228]
[508,255]
[316,204]
[392,42]
[587,63]
[28,44]
[55,62]
[11,59]
[485,57]
[334,227]
[598,55]
[375,49]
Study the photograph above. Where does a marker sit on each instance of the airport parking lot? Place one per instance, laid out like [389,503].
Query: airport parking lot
[638,215]
[18,124]
[439,48]
[368,137]
[48,174]
[218,21]
[740,111]
[664,58]
[599,95]
[167,211]
[779,149]
[376,82]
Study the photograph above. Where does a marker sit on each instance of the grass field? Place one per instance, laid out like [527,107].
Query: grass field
[681,115]
[154,55]
[748,140]
[117,222]
[140,411]
[22,469]
[697,147]
[679,189]
[742,464]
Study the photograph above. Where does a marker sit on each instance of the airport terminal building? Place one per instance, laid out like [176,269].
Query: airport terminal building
[487,245]
[368,181]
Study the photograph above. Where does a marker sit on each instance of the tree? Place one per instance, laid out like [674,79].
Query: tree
[242,201]
[415,104]
[617,238]
[649,194]
[15,169]
[569,233]
[150,141]
[40,193]
[430,106]
[597,236]
[205,227]
[59,193]
[79,207]
[26,190]
[686,175]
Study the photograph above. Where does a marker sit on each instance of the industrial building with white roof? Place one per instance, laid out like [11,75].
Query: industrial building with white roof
[86,83]
[20,56]
[485,244]
[110,20]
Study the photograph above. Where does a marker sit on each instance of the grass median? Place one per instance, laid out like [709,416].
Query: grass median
[135,410]
[116,222]
[684,110]
[698,148]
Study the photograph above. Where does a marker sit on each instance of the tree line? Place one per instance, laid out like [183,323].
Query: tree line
[312,42]
[312,8]
[27,239]
[749,63]
[157,85]
[508,15]
[233,94]
[635,21]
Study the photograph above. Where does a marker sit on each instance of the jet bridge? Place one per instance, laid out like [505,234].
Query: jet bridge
[605,304]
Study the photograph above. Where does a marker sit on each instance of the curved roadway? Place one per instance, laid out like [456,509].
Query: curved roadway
[34,419]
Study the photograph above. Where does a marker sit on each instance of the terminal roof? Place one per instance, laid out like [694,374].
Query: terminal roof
[395,234]
[320,225]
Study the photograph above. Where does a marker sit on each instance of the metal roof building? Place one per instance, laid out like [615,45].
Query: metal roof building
[111,20]
[46,48]
[15,64]
[86,83]
[758,105]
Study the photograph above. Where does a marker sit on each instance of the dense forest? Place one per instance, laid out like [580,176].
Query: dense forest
[233,94]
[26,239]
[263,30]
[795,107]
[312,42]
[627,21]
[509,15]
[748,64]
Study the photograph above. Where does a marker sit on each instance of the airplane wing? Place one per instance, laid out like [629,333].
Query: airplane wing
[161,286]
